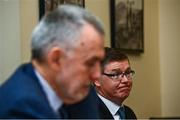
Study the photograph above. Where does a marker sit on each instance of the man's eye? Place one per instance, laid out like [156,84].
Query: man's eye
[127,72]
[114,75]
[90,63]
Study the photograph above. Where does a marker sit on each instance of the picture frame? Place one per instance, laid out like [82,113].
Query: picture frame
[127,33]
[46,6]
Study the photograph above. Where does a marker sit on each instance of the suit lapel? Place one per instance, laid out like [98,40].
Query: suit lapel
[104,111]
[129,113]
[28,71]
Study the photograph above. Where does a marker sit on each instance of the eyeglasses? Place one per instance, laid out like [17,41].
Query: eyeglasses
[119,76]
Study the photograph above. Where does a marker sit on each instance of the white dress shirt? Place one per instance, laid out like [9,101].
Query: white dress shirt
[113,108]
[54,101]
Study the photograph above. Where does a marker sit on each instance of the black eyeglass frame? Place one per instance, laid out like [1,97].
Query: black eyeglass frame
[117,76]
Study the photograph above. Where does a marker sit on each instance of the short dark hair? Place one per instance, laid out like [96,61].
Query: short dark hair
[113,54]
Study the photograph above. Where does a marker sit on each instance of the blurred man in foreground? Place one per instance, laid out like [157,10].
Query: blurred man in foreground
[67,47]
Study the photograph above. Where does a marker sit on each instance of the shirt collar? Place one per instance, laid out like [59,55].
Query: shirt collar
[113,108]
[54,101]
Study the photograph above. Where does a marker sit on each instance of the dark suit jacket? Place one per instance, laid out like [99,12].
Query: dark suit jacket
[106,114]
[86,109]
[21,96]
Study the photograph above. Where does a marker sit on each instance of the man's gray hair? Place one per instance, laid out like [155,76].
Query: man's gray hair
[61,27]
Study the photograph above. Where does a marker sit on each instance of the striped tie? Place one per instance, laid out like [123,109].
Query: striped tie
[121,113]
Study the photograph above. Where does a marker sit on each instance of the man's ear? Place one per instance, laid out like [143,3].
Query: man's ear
[97,82]
[54,58]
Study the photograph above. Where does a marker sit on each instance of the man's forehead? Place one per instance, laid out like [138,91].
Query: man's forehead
[118,64]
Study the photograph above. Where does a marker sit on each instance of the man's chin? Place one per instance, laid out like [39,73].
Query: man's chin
[77,97]
[82,95]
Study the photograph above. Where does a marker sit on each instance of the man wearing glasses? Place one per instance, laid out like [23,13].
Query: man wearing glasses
[114,86]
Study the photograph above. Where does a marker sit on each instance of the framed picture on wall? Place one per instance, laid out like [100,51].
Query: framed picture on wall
[127,25]
[46,6]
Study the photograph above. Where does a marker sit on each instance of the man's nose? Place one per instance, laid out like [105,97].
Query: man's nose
[124,78]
